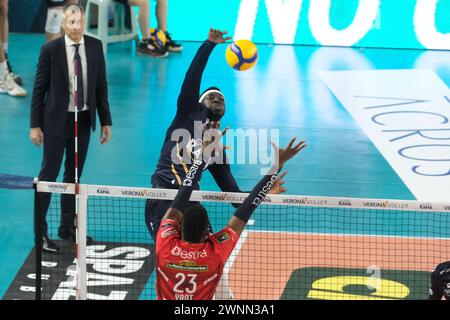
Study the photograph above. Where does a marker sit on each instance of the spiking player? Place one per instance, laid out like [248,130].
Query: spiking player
[189,260]
[192,108]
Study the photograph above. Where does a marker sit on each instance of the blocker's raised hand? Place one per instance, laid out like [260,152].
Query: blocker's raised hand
[287,153]
[217,36]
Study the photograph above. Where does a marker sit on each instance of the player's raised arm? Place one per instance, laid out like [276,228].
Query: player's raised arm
[211,137]
[259,192]
[190,90]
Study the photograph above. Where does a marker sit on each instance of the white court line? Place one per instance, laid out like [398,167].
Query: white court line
[231,259]
[346,235]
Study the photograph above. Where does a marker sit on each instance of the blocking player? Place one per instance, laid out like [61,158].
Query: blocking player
[189,260]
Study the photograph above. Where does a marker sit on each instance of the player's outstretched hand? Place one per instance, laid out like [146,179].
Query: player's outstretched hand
[212,135]
[217,36]
[287,153]
[277,186]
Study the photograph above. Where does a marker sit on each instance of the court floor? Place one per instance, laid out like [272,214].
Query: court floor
[286,92]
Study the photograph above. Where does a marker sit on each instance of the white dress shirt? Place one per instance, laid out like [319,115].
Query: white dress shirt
[70,52]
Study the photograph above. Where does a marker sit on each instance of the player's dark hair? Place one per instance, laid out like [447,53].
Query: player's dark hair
[194,225]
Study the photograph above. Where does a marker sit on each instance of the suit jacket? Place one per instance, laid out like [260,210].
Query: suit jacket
[50,100]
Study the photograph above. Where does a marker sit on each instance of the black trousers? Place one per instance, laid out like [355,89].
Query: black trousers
[54,149]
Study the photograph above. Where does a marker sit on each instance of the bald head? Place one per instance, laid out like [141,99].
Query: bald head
[73,21]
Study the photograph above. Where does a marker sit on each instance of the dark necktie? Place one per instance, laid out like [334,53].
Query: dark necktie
[80,88]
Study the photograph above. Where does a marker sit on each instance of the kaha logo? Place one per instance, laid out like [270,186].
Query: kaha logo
[102,191]
[345,203]
[426,206]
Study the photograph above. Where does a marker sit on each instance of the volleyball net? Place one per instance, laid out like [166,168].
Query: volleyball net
[295,248]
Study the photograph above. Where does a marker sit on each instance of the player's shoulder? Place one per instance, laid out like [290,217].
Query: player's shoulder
[168,229]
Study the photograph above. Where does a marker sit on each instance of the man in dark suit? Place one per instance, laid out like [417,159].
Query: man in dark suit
[53,111]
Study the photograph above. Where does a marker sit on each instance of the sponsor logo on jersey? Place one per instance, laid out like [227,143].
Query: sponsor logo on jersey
[187,265]
[210,279]
[166,278]
[119,271]
[178,252]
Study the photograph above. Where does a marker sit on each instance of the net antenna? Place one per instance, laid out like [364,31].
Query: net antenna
[80,232]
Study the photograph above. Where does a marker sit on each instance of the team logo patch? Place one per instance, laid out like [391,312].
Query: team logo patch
[223,237]
[166,225]
[168,233]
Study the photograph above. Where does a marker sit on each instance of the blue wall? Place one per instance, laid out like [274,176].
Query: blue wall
[417,24]
[367,23]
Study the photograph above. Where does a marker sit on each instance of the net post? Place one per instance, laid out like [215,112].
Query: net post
[37,244]
[81,237]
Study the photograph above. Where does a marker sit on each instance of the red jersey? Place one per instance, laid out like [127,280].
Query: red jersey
[190,271]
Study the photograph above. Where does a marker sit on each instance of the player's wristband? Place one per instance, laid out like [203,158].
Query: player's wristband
[184,193]
[257,196]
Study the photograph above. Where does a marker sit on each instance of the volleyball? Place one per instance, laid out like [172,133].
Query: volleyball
[241,54]
[159,37]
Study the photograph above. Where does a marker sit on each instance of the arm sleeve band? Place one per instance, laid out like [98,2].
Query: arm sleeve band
[184,193]
[255,198]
